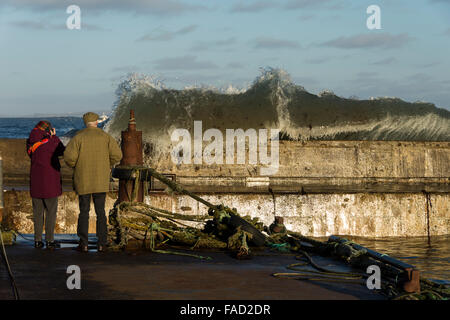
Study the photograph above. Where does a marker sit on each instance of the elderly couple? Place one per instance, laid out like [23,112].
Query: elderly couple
[91,153]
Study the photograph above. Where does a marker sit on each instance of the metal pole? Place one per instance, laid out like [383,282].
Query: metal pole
[176,187]
[413,283]
[1,186]
[376,255]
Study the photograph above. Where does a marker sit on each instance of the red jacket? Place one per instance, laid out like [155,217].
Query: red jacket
[45,176]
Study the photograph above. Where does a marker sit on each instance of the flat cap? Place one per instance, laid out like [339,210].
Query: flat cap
[90,117]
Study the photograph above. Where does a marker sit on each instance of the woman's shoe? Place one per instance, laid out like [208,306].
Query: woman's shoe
[52,245]
[38,244]
[82,248]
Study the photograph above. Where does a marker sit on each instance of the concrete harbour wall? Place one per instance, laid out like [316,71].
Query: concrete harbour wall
[360,188]
[357,214]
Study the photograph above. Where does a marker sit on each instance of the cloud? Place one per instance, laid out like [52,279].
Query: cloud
[261,5]
[274,43]
[187,62]
[420,77]
[306,17]
[317,60]
[190,79]
[93,27]
[44,25]
[153,7]
[235,65]
[370,40]
[301,4]
[201,46]
[410,87]
[125,69]
[305,80]
[167,35]
[384,61]
[428,64]
[366,75]
[440,1]
[37,25]
[253,7]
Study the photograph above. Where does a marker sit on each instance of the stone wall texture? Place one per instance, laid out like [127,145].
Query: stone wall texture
[360,188]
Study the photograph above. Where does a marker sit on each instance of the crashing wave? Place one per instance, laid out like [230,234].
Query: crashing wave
[272,101]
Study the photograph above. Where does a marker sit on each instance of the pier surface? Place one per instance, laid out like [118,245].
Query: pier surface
[41,274]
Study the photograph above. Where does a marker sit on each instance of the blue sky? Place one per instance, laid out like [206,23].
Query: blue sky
[322,44]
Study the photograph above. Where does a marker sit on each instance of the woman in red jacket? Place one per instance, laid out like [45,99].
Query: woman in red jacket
[44,148]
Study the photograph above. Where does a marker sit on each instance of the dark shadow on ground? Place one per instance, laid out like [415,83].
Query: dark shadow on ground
[41,274]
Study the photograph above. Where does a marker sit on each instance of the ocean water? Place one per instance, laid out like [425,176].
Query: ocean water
[21,127]
[430,256]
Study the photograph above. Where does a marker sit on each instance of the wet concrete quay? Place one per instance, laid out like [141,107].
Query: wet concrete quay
[41,274]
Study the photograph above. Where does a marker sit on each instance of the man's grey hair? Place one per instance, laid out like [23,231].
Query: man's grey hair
[92,124]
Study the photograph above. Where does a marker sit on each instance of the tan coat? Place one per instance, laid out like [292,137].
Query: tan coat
[92,153]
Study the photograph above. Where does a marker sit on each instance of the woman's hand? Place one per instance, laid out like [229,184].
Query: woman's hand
[53,132]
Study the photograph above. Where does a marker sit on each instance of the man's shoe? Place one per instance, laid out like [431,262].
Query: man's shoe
[82,248]
[38,244]
[52,245]
[101,248]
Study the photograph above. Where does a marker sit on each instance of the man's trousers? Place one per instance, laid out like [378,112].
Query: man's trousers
[83,218]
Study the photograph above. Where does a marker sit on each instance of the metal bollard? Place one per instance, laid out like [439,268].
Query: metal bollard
[132,157]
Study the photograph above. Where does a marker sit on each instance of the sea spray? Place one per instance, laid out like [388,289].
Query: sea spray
[273,101]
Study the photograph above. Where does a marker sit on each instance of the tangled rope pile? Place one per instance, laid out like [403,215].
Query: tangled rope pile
[224,228]
[154,227]
[157,228]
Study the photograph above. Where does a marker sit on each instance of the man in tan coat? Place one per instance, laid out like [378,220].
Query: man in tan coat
[92,153]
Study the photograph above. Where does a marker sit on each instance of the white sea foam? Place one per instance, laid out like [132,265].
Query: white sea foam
[272,101]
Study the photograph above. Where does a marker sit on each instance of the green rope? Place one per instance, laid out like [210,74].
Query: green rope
[220,213]
[137,180]
[320,274]
[156,227]
[282,247]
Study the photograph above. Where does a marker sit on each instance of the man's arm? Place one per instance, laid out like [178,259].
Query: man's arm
[115,154]
[71,153]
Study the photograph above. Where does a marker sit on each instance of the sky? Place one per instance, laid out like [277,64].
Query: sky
[46,68]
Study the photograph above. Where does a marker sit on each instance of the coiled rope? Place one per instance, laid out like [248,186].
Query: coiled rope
[320,274]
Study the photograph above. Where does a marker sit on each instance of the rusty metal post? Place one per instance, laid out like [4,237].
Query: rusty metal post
[132,157]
